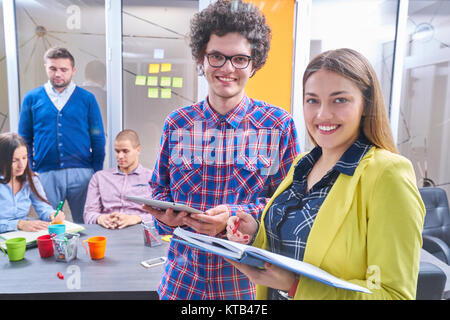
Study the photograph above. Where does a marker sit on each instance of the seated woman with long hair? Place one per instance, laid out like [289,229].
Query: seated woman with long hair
[19,189]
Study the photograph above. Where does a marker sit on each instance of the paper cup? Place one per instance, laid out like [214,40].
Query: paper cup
[45,246]
[16,248]
[56,229]
[97,247]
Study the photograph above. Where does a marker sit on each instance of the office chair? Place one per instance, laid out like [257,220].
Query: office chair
[430,282]
[436,229]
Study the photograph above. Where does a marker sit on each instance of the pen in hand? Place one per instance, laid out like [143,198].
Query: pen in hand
[235,229]
[58,209]
[236,225]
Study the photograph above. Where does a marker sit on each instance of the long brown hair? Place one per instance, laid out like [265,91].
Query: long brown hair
[9,142]
[355,67]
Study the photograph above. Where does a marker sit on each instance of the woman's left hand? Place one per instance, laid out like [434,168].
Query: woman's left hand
[271,276]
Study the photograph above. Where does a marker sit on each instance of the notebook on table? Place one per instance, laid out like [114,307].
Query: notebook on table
[31,237]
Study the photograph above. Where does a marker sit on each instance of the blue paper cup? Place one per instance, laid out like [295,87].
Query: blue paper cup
[56,229]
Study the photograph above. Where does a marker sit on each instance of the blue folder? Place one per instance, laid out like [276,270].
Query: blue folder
[258,257]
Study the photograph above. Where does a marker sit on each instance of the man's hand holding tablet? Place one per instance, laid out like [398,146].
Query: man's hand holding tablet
[211,222]
[163,205]
[169,213]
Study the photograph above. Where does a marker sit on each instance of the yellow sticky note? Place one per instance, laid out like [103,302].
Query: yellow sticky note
[152,81]
[166,67]
[153,68]
[153,92]
[165,81]
[177,82]
[140,80]
[166,93]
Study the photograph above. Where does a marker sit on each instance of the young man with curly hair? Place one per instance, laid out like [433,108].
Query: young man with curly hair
[221,155]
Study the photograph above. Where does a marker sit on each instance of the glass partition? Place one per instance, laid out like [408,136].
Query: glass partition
[366,26]
[159,74]
[77,26]
[424,124]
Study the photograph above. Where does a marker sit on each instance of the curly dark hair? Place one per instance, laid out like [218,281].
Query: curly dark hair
[225,16]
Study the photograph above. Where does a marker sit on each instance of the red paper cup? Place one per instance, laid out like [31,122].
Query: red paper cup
[45,246]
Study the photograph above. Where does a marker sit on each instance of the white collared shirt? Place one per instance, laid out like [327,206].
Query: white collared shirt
[59,99]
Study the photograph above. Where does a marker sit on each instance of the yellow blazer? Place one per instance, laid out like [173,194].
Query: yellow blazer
[368,231]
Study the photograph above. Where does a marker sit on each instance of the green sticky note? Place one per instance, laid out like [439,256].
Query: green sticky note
[165,81]
[153,92]
[166,93]
[152,81]
[177,82]
[140,80]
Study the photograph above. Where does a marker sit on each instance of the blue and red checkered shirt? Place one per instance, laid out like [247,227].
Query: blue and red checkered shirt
[206,160]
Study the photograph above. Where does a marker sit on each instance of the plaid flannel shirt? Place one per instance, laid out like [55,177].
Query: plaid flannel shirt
[206,160]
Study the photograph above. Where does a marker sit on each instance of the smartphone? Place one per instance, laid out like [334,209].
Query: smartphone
[153,262]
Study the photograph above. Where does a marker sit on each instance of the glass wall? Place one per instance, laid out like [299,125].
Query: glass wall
[366,26]
[4,122]
[424,124]
[159,74]
[77,26]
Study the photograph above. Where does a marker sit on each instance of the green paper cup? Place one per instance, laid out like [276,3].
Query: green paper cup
[16,248]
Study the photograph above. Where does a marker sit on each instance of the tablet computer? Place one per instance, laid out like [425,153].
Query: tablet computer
[163,205]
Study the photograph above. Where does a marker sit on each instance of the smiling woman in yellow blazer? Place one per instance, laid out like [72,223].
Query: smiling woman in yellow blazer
[368,228]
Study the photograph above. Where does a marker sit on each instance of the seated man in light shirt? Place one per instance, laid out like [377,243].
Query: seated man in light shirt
[106,203]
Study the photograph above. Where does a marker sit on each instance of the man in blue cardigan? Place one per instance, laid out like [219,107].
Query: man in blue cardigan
[63,128]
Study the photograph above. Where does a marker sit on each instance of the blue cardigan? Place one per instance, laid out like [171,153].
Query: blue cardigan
[70,138]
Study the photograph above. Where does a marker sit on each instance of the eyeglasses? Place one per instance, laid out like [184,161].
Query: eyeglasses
[239,61]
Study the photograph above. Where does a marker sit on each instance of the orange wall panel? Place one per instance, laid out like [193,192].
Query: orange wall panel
[272,83]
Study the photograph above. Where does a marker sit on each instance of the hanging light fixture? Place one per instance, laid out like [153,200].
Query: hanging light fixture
[424,32]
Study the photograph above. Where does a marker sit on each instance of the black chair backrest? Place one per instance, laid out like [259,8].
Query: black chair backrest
[437,218]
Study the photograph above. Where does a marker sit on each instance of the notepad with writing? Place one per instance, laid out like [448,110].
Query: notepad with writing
[31,237]
[257,257]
